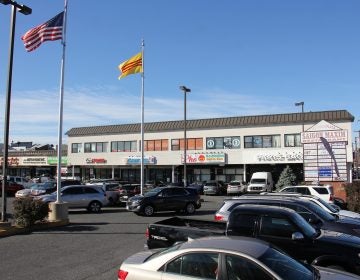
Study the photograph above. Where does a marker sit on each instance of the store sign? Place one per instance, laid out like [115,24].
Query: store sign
[54,160]
[325,154]
[280,157]
[204,158]
[95,161]
[331,136]
[12,161]
[34,161]
[136,160]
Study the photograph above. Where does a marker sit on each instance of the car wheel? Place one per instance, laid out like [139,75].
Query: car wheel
[190,208]
[94,207]
[148,210]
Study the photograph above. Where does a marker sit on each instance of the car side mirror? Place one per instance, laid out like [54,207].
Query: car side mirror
[297,236]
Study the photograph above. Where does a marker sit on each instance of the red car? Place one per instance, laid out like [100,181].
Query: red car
[11,188]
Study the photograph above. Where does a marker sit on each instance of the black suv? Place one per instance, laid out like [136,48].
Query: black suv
[310,211]
[165,199]
[287,230]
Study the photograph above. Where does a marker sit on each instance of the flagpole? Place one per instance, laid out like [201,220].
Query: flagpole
[61,102]
[142,120]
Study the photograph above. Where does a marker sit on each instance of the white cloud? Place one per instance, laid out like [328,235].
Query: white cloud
[35,114]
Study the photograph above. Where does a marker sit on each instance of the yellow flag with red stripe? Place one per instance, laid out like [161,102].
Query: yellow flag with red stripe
[131,66]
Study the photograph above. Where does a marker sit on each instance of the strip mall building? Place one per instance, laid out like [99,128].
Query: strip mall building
[316,145]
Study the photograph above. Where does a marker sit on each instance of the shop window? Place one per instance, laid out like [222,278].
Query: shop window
[231,142]
[292,140]
[76,148]
[192,144]
[156,145]
[95,147]
[262,141]
[123,146]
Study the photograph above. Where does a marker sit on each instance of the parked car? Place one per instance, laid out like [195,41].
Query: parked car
[329,207]
[37,189]
[260,182]
[236,187]
[312,212]
[91,197]
[214,188]
[128,190]
[325,192]
[280,226]
[11,188]
[112,192]
[222,258]
[20,180]
[164,199]
[199,186]
[339,202]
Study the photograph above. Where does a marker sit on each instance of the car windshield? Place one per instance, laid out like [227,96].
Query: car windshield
[315,208]
[328,206]
[285,266]
[257,181]
[235,183]
[211,184]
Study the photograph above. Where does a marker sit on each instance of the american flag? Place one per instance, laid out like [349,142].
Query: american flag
[48,31]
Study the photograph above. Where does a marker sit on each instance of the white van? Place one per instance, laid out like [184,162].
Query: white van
[260,182]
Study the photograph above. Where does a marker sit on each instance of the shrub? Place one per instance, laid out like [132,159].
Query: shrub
[27,211]
[353,196]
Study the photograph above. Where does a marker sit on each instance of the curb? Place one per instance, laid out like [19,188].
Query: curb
[13,230]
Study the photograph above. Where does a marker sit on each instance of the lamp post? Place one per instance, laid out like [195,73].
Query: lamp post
[26,11]
[185,90]
[302,112]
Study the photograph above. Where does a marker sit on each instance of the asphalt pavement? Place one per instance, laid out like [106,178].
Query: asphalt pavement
[91,247]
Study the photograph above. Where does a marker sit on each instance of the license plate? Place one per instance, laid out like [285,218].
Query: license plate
[127,207]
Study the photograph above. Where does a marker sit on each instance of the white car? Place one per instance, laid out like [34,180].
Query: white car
[222,257]
[80,196]
[324,192]
[235,187]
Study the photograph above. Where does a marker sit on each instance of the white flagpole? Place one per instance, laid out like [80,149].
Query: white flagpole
[61,101]
[142,120]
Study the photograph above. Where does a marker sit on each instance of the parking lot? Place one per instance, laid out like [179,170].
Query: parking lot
[91,247]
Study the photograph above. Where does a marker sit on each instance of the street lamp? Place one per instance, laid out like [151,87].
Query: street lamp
[302,112]
[185,90]
[26,11]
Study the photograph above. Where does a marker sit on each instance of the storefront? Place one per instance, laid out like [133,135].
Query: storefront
[222,149]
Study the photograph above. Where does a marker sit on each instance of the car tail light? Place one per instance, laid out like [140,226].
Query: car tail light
[147,234]
[122,274]
[218,217]
[331,197]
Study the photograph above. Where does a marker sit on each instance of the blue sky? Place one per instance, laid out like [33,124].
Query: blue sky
[238,57]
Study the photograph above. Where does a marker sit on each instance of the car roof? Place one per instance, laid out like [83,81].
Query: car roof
[265,209]
[256,198]
[251,246]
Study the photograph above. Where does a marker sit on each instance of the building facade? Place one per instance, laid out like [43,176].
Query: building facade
[221,149]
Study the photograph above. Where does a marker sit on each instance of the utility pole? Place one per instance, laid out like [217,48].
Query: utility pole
[357,139]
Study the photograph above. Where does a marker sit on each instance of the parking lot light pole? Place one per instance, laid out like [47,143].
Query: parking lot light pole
[185,90]
[26,11]
[302,112]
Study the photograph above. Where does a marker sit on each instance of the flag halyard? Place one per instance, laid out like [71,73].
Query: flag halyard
[49,31]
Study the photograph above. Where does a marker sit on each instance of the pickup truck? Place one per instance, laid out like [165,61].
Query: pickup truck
[280,226]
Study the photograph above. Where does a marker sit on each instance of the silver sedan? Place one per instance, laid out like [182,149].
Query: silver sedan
[230,258]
